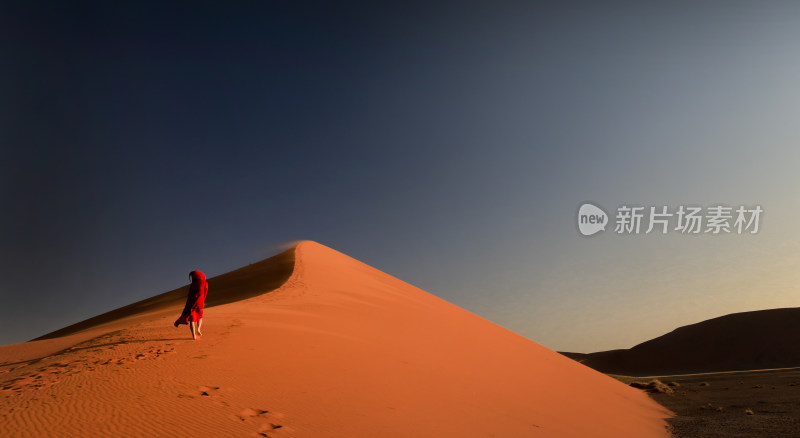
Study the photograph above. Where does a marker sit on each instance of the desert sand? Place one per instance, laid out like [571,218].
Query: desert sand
[309,343]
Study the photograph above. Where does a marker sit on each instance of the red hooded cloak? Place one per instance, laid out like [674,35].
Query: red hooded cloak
[196,300]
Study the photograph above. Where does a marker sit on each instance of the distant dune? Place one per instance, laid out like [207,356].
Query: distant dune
[309,343]
[241,284]
[741,341]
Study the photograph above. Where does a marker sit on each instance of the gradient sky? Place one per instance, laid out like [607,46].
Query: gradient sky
[446,143]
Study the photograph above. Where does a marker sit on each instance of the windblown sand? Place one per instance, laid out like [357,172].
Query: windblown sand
[340,349]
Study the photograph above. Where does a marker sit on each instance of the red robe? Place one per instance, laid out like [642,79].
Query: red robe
[196,300]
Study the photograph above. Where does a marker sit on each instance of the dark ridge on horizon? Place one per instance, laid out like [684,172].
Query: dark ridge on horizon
[759,339]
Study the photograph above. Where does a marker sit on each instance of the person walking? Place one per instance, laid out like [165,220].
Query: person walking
[193,310]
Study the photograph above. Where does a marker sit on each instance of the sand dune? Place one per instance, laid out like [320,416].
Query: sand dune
[340,349]
[237,285]
[741,341]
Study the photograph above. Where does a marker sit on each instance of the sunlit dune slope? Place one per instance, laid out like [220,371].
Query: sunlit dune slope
[340,349]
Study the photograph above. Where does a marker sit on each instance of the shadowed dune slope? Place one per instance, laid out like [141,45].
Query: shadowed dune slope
[241,284]
[340,349]
[740,341]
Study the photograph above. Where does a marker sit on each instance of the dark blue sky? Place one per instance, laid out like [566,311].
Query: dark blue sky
[446,143]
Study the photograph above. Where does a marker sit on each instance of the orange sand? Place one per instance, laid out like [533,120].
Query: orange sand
[340,349]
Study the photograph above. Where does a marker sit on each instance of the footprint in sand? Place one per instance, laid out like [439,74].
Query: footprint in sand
[270,430]
[250,413]
[206,391]
[158,352]
[202,391]
[271,422]
[33,381]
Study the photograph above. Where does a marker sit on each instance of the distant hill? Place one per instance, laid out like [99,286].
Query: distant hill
[739,341]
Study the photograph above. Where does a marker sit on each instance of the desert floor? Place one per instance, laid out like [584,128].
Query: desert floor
[716,405]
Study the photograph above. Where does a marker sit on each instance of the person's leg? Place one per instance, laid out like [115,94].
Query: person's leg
[199,324]
[191,327]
